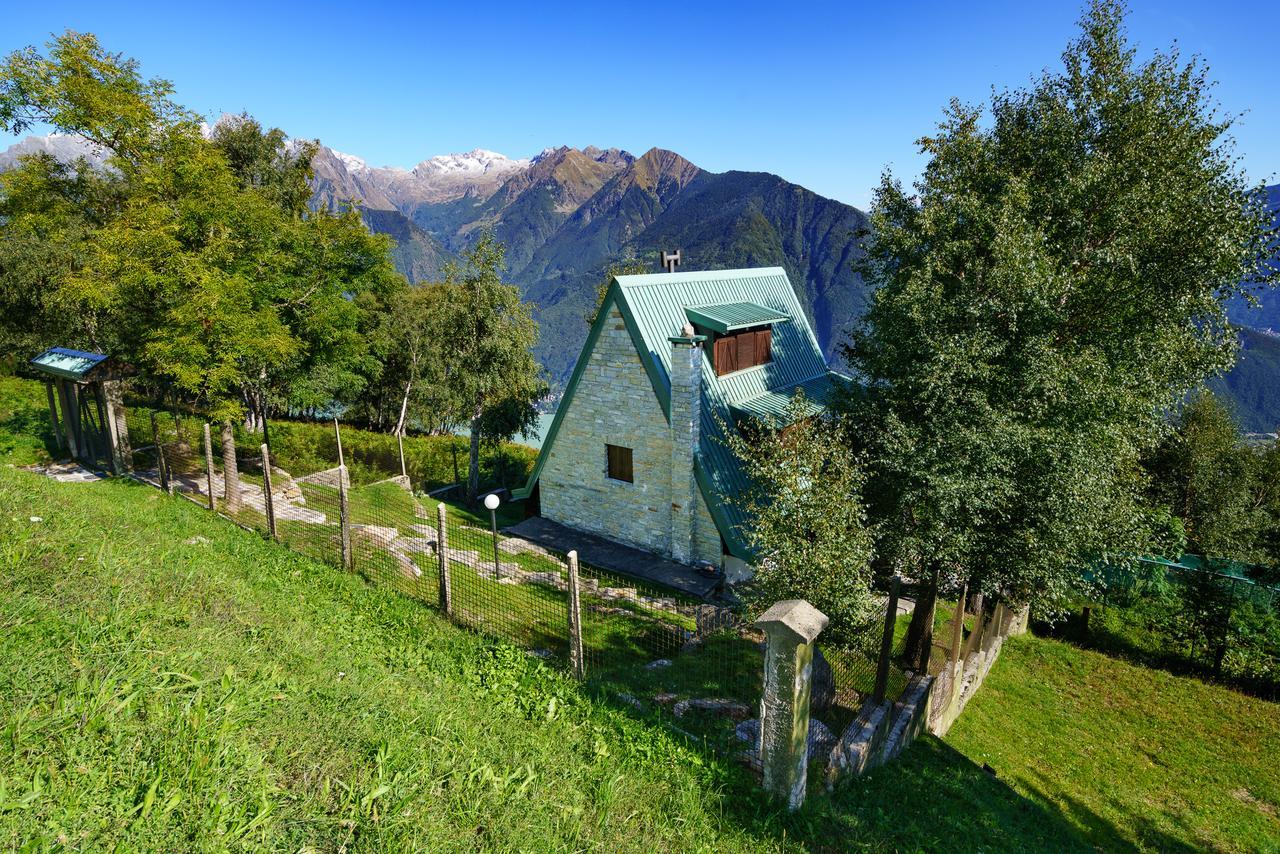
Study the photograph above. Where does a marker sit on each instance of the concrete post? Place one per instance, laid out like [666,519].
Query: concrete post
[575,619]
[442,544]
[117,427]
[208,466]
[686,413]
[791,627]
[268,501]
[344,511]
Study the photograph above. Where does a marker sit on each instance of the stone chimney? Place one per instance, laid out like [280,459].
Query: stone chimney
[686,412]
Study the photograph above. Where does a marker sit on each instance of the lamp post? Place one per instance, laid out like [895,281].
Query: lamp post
[491,501]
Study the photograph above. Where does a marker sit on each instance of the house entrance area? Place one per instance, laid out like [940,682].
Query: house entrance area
[615,557]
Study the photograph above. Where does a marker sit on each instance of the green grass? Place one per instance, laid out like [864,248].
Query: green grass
[1127,755]
[26,435]
[172,682]
[175,682]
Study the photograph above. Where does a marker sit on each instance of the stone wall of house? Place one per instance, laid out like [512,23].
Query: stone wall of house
[706,536]
[614,403]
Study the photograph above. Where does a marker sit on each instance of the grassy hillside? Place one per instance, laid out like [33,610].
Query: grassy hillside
[1126,755]
[169,681]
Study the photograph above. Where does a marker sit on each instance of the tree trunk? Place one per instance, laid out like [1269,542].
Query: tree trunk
[230,471]
[919,640]
[473,471]
[404,408]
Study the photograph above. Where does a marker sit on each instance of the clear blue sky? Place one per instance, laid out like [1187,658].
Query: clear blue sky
[825,95]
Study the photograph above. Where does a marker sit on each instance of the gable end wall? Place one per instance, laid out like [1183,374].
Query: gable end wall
[614,403]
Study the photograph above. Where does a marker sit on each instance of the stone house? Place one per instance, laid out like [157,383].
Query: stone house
[636,452]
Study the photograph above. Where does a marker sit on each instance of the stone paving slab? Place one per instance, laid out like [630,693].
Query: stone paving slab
[67,472]
[615,557]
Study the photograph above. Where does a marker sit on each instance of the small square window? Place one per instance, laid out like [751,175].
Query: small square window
[619,463]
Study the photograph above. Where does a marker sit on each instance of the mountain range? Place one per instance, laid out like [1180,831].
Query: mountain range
[567,214]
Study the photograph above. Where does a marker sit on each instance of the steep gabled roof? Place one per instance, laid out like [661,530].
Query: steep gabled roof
[653,308]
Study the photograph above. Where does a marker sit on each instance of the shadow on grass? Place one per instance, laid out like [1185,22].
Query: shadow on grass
[30,428]
[1102,834]
[1113,635]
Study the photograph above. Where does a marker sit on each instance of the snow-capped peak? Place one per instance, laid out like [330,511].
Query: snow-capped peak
[478,161]
[353,163]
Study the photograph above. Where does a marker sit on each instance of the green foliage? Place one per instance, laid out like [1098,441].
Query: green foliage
[194,259]
[82,89]
[1053,286]
[1226,493]
[487,334]
[808,520]
[261,161]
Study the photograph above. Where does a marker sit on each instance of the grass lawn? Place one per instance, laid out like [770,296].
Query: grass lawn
[171,682]
[1128,755]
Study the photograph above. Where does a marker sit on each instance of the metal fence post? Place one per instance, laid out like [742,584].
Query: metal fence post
[344,511]
[208,466]
[886,643]
[268,501]
[442,545]
[576,658]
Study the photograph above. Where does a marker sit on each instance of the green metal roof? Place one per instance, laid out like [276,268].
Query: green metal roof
[66,363]
[726,317]
[654,308]
[772,407]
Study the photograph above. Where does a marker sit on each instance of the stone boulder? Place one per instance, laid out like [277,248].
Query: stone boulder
[821,739]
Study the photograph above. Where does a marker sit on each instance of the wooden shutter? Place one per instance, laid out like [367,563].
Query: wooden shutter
[726,355]
[746,349]
[764,346]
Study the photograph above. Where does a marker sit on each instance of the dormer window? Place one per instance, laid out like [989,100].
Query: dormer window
[741,334]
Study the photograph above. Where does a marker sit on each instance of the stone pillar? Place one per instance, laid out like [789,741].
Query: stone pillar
[117,427]
[791,627]
[685,415]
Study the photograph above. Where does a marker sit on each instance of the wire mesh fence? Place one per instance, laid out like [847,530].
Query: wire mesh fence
[697,664]
[1191,619]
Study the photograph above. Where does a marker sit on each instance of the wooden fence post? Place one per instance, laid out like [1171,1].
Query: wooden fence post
[576,658]
[442,546]
[160,460]
[886,642]
[208,466]
[268,500]
[344,511]
[957,628]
